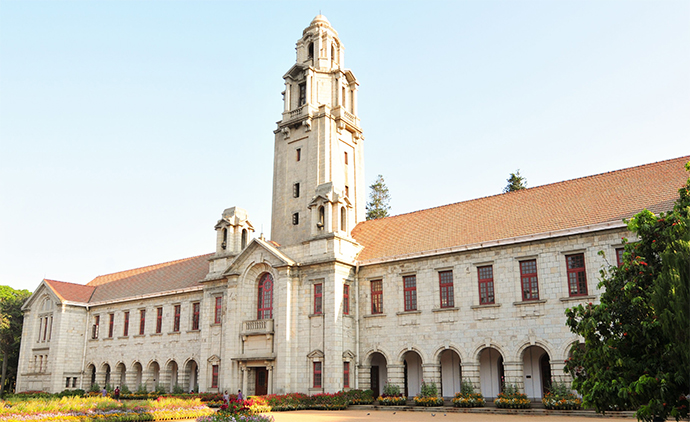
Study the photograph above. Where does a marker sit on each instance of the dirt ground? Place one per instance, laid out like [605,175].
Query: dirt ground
[385,416]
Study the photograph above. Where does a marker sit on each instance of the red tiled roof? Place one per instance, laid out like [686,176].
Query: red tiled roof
[71,291]
[168,276]
[602,198]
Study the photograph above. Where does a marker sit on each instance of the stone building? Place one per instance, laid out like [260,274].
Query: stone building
[473,290]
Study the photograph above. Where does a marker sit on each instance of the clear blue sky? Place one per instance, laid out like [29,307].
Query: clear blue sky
[127,127]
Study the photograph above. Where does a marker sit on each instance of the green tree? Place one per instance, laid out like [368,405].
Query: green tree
[515,182]
[11,320]
[378,206]
[637,340]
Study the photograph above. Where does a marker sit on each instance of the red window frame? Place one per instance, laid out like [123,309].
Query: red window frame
[265,299]
[318,299]
[111,325]
[376,296]
[214,376]
[346,299]
[619,256]
[176,320]
[217,319]
[159,320]
[529,280]
[96,326]
[346,374]
[577,276]
[410,290]
[485,275]
[317,374]
[196,311]
[445,284]
[125,329]
[142,322]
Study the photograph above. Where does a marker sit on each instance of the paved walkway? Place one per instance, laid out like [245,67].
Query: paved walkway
[375,415]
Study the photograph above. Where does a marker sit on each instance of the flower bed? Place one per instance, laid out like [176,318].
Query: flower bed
[469,400]
[511,398]
[226,417]
[428,401]
[555,402]
[360,396]
[74,409]
[392,400]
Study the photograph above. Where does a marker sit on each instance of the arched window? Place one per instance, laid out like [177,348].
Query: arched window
[310,51]
[322,217]
[343,219]
[333,60]
[244,238]
[225,239]
[265,303]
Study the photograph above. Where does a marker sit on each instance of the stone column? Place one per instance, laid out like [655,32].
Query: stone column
[513,374]
[396,376]
[431,372]
[470,372]
[244,369]
[364,377]
[269,367]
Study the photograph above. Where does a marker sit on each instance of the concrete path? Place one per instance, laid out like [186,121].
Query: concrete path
[414,416]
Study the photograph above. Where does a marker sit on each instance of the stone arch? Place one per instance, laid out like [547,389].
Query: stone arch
[171,374]
[413,374]
[120,374]
[369,353]
[91,373]
[106,371]
[491,370]
[190,380]
[138,374]
[153,372]
[536,370]
[421,354]
[449,358]
[375,370]
[564,350]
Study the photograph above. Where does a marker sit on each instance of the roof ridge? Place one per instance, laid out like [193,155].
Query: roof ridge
[683,158]
[144,268]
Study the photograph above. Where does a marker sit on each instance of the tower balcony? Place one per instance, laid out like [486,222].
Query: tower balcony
[346,120]
[294,116]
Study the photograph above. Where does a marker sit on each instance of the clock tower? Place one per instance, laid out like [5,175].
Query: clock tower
[318,172]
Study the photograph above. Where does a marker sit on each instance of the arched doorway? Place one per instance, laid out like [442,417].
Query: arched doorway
[106,374]
[413,373]
[451,373]
[91,370]
[191,372]
[378,374]
[491,373]
[172,374]
[120,375]
[536,368]
[154,376]
[138,374]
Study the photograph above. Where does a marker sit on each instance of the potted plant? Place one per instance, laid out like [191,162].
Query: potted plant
[467,397]
[428,396]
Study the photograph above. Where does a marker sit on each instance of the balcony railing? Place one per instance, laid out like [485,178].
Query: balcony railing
[257,326]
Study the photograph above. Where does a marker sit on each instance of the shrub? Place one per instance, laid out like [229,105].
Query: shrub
[360,396]
[337,401]
[561,398]
[95,388]
[428,395]
[177,389]
[125,390]
[160,389]
[511,398]
[391,390]
[467,396]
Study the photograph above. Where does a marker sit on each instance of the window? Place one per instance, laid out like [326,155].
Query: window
[347,191]
[45,329]
[50,329]
[445,283]
[295,219]
[265,301]
[343,219]
[196,309]
[577,279]
[377,296]
[125,329]
[219,310]
[295,190]
[142,321]
[40,328]
[244,238]
[346,158]
[111,325]
[159,320]
[318,298]
[486,285]
[214,377]
[346,374]
[528,277]
[302,94]
[346,299]
[67,382]
[225,239]
[317,374]
[74,382]
[619,256]
[298,154]
[410,288]
[176,320]
[96,323]
[322,217]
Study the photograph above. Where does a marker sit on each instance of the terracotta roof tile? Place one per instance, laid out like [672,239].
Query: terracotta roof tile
[71,291]
[168,276]
[602,198]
